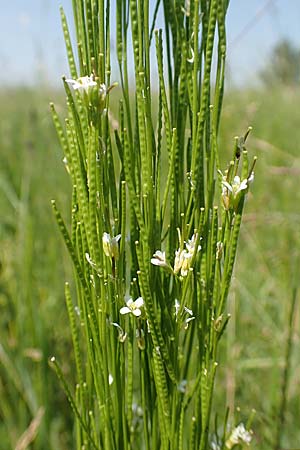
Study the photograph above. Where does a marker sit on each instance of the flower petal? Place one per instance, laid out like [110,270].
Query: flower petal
[227,185]
[125,310]
[129,302]
[139,302]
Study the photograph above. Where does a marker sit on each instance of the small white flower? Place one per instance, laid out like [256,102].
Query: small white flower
[237,185]
[183,258]
[133,307]
[179,256]
[239,435]
[182,262]
[110,245]
[159,259]
[90,261]
[232,192]
[190,244]
[82,84]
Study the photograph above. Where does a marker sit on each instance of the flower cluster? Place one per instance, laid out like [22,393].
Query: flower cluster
[83,84]
[233,191]
[183,257]
[239,435]
[90,90]
[111,245]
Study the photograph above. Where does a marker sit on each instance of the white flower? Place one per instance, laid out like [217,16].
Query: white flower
[90,261]
[182,262]
[82,84]
[239,435]
[183,258]
[232,192]
[110,245]
[159,259]
[237,185]
[133,307]
[190,244]
[179,256]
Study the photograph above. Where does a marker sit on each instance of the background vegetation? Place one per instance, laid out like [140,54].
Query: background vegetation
[34,264]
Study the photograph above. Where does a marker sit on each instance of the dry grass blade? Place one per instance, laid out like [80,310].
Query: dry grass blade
[29,435]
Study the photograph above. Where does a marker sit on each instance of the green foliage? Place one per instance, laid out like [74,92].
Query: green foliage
[31,294]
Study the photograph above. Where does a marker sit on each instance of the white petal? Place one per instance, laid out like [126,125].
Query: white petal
[139,302]
[189,319]
[244,184]
[155,262]
[227,185]
[136,312]
[106,238]
[251,178]
[125,310]
[159,258]
[129,302]
[189,311]
[237,180]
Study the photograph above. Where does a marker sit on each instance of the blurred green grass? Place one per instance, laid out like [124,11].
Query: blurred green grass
[34,266]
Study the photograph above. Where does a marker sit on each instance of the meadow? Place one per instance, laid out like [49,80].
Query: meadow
[34,265]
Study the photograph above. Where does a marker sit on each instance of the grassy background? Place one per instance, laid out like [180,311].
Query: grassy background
[34,266]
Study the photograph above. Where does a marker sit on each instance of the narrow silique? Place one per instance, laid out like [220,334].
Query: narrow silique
[154,222]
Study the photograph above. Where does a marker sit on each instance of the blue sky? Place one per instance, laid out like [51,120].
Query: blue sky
[32,47]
